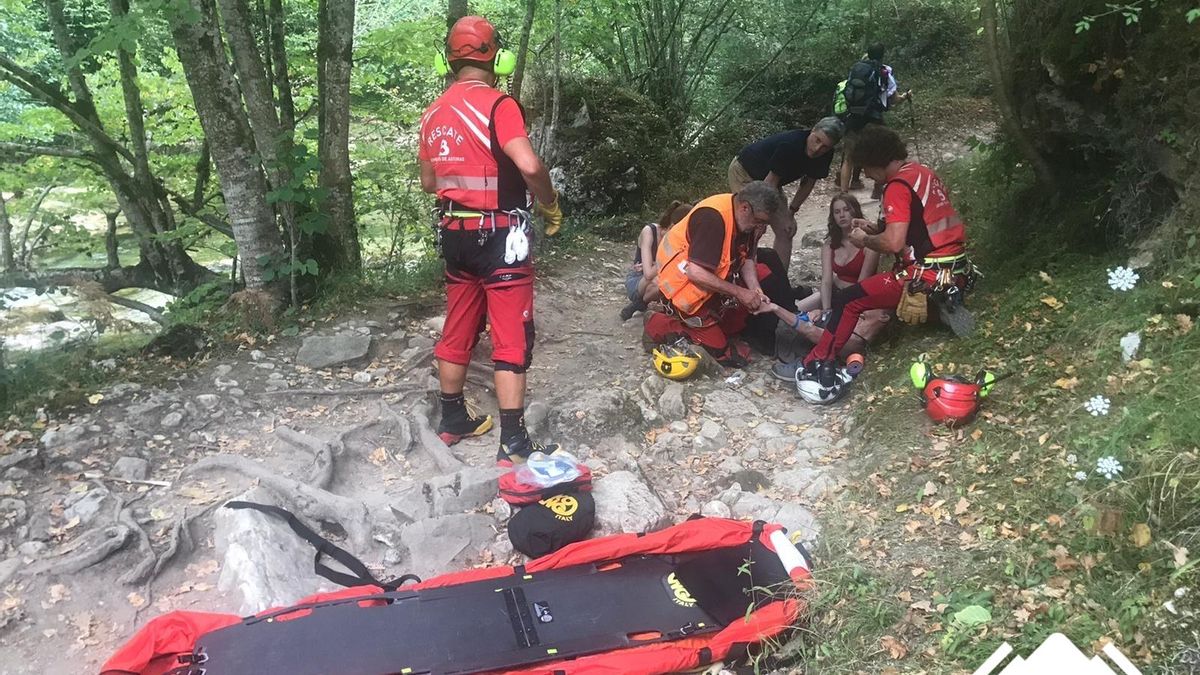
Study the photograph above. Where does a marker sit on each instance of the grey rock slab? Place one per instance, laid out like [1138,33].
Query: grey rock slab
[85,506]
[652,387]
[26,459]
[262,559]
[472,488]
[679,427]
[411,504]
[322,351]
[435,323]
[223,370]
[257,355]
[716,509]
[625,504]
[536,413]
[8,488]
[768,430]
[731,406]
[224,382]
[9,567]
[131,468]
[16,473]
[439,544]
[32,549]
[805,481]
[421,342]
[796,518]
[670,402]
[209,401]
[799,415]
[172,419]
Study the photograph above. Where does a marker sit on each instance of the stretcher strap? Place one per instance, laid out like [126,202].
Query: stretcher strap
[359,574]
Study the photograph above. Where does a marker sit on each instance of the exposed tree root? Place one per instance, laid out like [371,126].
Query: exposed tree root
[402,427]
[309,502]
[444,459]
[322,451]
[145,566]
[115,538]
[180,540]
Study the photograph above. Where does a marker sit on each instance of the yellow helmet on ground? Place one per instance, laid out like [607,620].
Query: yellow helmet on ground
[677,361]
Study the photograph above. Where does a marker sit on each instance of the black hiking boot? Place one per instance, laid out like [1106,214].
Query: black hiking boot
[453,428]
[632,308]
[519,450]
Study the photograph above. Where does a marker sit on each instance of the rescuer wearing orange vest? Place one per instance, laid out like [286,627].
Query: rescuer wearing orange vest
[477,158]
[920,225]
[709,272]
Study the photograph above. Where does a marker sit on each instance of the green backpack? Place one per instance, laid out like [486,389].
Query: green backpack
[839,99]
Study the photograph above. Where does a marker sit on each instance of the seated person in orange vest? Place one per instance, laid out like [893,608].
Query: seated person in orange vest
[798,155]
[477,158]
[918,224]
[709,273]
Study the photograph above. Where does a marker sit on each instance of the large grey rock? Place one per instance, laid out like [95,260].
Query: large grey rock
[593,414]
[472,488]
[131,468]
[802,414]
[262,559]
[9,567]
[321,351]
[795,518]
[8,488]
[438,544]
[25,459]
[768,430]
[652,387]
[209,401]
[412,503]
[85,506]
[670,402]
[625,504]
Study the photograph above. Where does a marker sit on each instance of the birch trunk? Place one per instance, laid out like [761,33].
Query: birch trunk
[231,143]
[337,248]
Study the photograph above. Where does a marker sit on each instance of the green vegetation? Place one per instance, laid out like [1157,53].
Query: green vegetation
[1011,513]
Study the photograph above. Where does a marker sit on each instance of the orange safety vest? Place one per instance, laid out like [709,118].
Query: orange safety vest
[672,257]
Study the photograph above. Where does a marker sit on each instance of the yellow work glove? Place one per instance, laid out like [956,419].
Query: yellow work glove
[913,307]
[552,215]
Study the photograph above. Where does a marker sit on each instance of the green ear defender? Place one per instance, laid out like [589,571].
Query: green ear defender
[440,65]
[986,380]
[505,63]
[918,372]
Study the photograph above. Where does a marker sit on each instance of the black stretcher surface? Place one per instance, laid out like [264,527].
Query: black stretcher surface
[481,625]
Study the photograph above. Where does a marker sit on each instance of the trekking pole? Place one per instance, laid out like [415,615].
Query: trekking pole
[912,120]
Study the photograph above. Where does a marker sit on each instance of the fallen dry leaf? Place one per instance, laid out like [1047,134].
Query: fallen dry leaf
[1046,278]
[1067,383]
[931,488]
[136,600]
[1052,302]
[1140,536]
[962,506]
[895,648]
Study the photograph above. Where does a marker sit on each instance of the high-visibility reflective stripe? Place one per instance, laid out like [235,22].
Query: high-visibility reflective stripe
[943,225]
[465,183]
[947,259]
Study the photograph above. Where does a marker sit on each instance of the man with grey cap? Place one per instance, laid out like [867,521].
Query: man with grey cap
[798,155]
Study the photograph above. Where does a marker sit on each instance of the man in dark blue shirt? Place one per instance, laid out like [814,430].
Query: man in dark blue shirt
[799,155]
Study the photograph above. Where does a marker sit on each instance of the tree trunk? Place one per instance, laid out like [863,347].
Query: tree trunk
[337,248]
[523,48]
[110,241]
[456,10]
[283,82]
[215,94]
[1009,117]
[7,263]
[165,263]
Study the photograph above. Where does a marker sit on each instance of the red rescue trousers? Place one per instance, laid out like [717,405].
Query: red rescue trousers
[480,284]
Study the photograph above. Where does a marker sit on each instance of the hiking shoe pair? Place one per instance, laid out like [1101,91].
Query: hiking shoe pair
[476,424]
[785,370]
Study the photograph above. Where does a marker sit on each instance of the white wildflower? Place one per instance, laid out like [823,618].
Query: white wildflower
[1122,278]
[1080,475]
[1098,405]
[1109,467]
[1072,459]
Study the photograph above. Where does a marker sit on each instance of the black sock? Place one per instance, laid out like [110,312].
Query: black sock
[454,407]
[512,425]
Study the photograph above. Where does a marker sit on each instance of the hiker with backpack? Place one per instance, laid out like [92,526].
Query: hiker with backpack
[803,155]
[869,90]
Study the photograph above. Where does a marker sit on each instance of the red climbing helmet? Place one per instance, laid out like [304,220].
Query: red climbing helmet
[951,401]
[472,38]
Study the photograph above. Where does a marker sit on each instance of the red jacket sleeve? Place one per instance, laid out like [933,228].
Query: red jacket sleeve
[509,121]
[897,203]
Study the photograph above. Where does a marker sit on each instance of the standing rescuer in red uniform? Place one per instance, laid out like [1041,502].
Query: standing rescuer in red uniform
[476,157]
[918,224]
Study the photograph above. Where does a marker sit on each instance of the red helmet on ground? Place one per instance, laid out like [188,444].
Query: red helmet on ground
[472,38]
[951,401]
